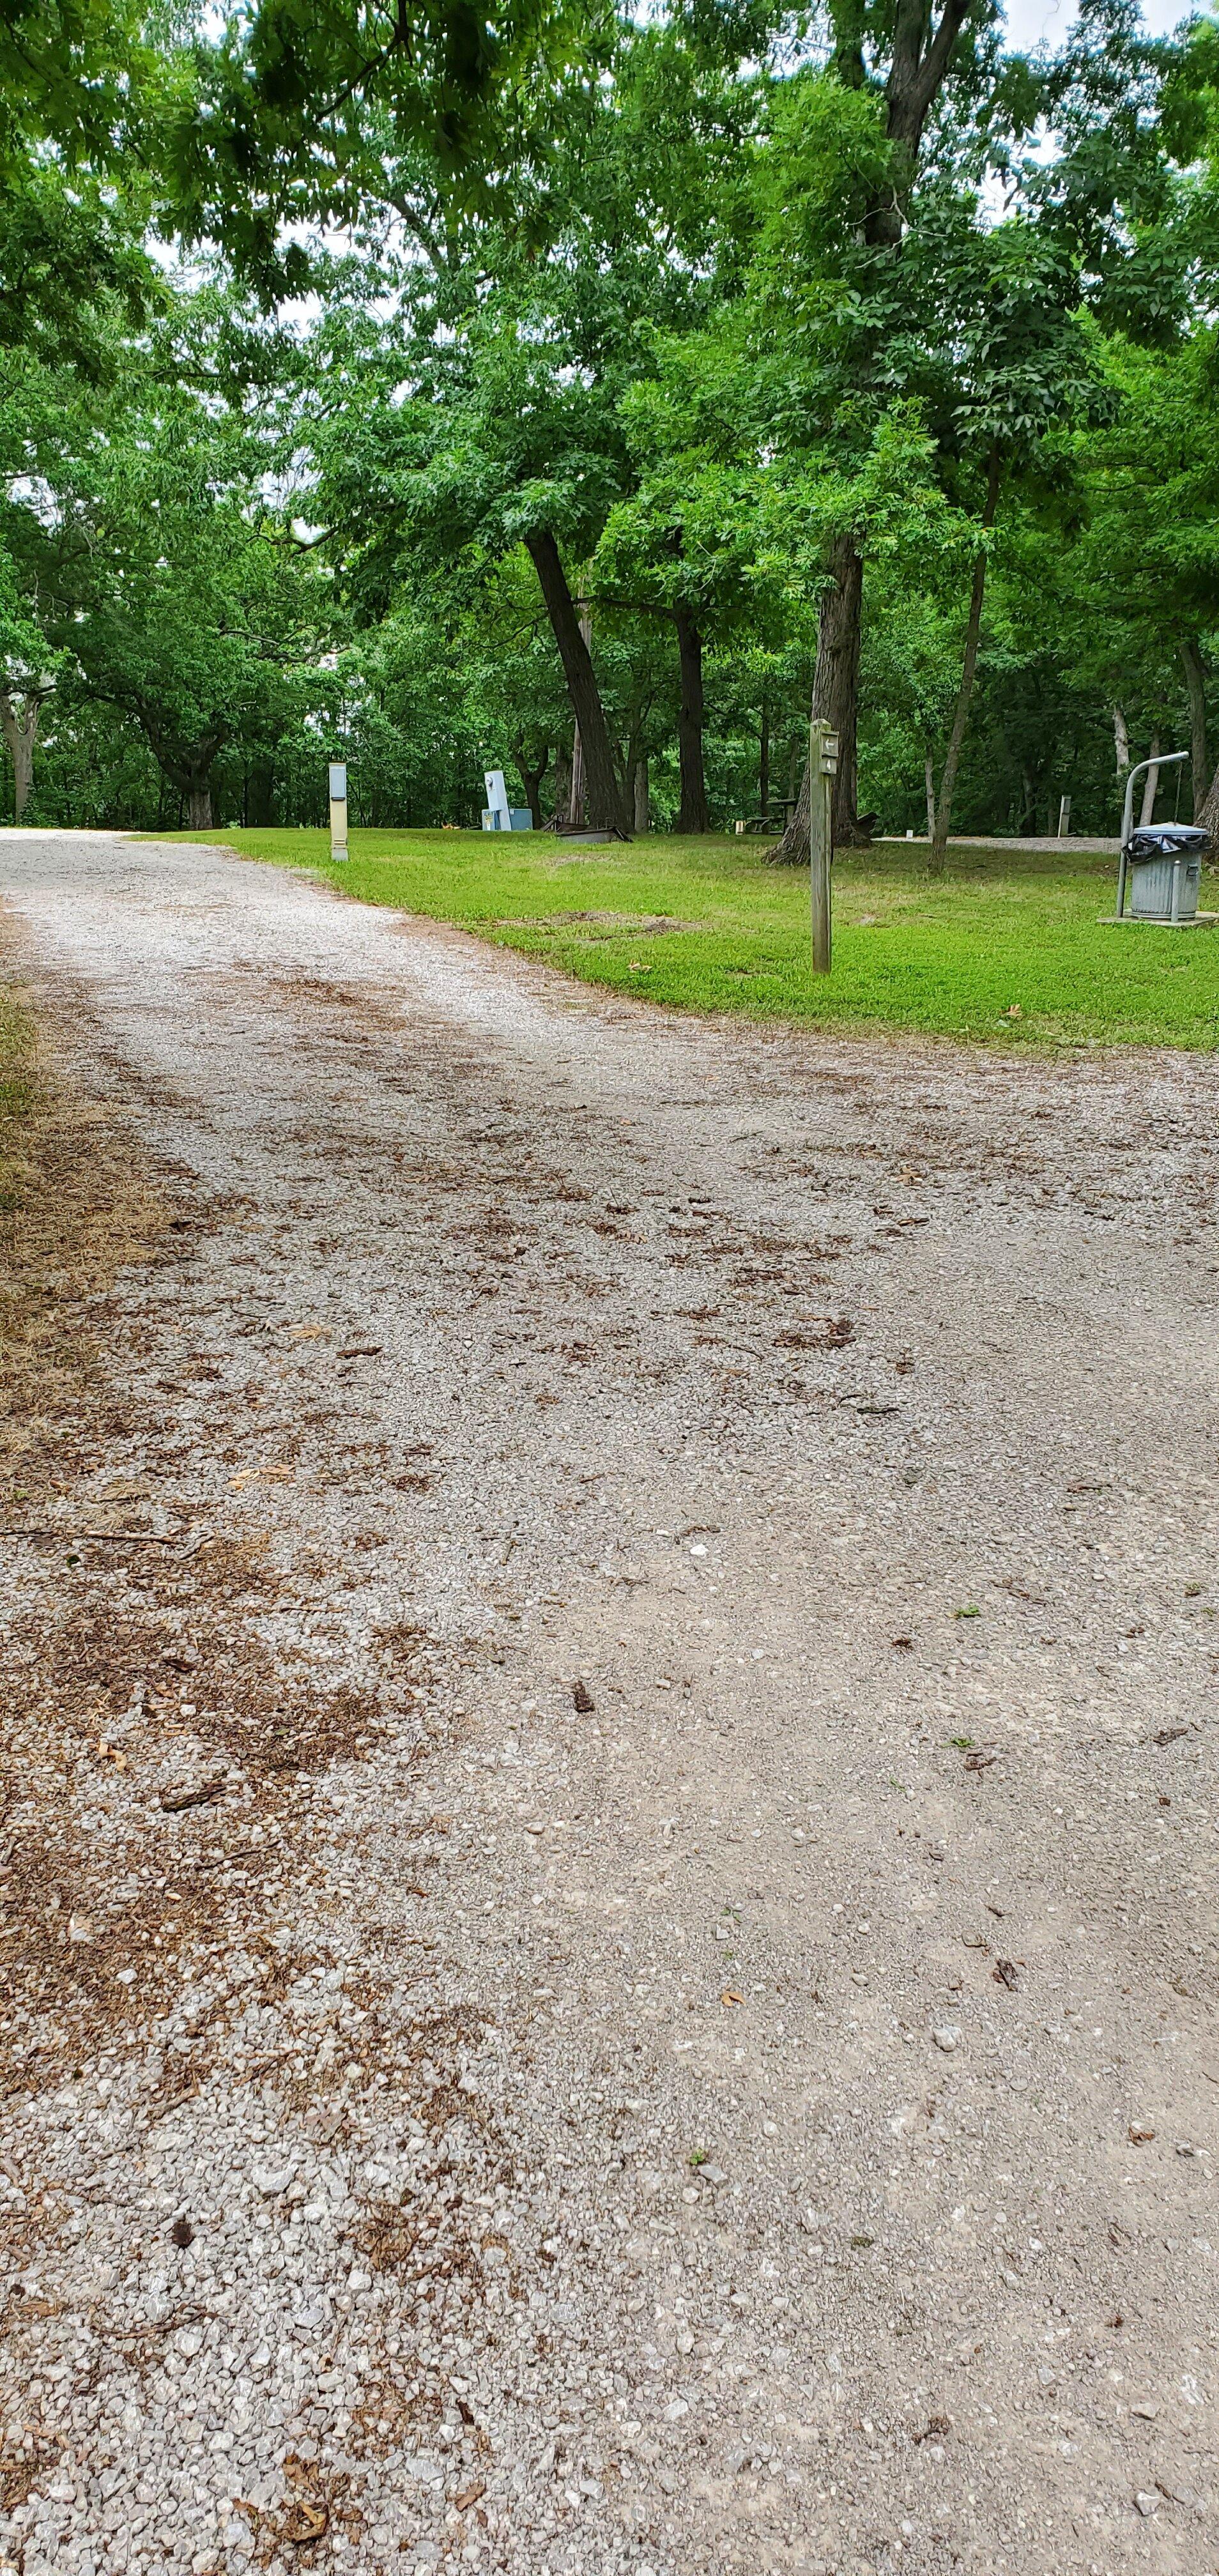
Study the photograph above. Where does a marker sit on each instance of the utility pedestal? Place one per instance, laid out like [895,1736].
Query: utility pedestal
[338,809]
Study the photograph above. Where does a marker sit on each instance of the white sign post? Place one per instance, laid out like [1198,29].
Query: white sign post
[338,809]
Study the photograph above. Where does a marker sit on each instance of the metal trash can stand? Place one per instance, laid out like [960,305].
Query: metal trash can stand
[1160,864]
[1164,871]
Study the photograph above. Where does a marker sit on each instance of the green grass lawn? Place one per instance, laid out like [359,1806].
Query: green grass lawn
[705,925]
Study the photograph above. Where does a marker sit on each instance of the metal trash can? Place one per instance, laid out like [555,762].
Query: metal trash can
[1163,871]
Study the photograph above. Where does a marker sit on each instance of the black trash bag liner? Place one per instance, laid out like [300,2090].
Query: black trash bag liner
[1167,841]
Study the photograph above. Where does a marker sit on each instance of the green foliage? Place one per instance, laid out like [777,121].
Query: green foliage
[305,116]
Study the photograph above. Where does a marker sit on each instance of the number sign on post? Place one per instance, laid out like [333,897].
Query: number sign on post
[338,809]
[822,771]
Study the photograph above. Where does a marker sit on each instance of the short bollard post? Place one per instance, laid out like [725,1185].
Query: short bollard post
[338,809]
[822,771]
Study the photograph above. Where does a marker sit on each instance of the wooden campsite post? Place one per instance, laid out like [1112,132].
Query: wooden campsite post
[822,769]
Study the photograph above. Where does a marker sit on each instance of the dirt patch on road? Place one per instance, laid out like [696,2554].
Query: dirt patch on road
[158,1762]
[76,1203]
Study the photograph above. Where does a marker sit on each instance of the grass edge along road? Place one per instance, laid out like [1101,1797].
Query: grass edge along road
[1008,948]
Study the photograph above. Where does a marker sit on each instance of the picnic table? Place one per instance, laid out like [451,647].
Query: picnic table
[782,810]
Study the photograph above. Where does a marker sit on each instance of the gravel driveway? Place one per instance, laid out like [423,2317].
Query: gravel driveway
[614,1955]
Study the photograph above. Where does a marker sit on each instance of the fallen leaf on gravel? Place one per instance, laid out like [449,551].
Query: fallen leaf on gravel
[267,1475]
[174,1800]
[1004,1974]
[582,1700]
[110,1753]
[306,1332]
[305,2522]
[839,1331]
[978,1761]
[363,1351]
[934,2429]
[323,2126]
[1170,1734]
[905,1643]
[470,2495]
[975,1941]
[1138,2135]
[730,1996]
[182,2232]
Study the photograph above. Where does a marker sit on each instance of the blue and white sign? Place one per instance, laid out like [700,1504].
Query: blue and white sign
[338,782]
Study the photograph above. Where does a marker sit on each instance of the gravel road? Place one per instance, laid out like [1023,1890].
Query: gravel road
[612,1720]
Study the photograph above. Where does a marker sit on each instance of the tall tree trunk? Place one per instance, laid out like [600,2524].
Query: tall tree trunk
[23,771]
[562,783]
[531,780]
[188,766]
[575,798]
[575,795]
[20,729]
[606,811]
[929,790]
[960,716]
[835,702]
[764,758]
[641,817]
[918,65]
[1121,741]
[693,813]
[1195,682]
[1151,787]
[260,790]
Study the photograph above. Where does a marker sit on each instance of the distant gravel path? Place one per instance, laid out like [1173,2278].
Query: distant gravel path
[752,2110]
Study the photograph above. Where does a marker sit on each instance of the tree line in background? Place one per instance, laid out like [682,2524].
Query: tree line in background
[594,395]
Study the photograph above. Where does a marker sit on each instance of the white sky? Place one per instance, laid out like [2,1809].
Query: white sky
[1029,21]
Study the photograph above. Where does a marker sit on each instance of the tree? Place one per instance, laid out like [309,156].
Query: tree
[304,117]
[707,538]
[848,175]
[27,683]
[164,579]
[1019,375]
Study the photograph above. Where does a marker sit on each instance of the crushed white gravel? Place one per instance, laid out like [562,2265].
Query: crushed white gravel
[623,1941]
